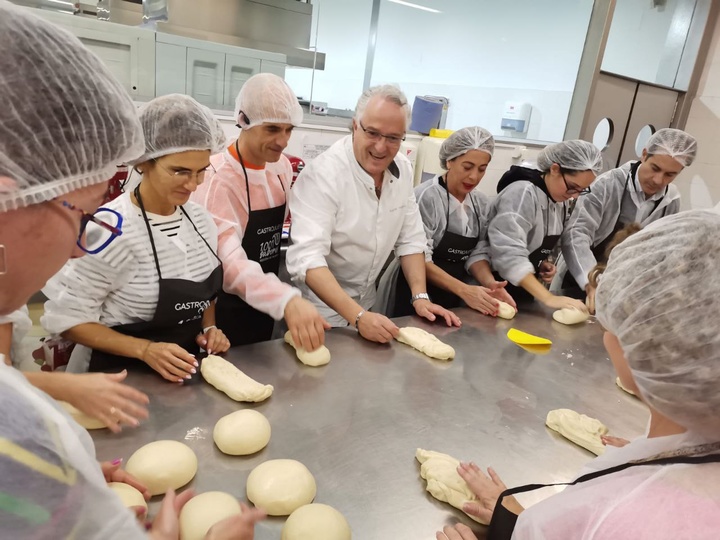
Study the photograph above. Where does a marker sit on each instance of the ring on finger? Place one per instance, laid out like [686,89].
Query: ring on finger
[113,411]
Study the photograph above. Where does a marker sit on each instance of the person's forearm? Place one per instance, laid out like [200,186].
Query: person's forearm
[482,273]
[440,278]
[6,331]
[413,266]
[56,384]
[102,338]
[531,284]
[208,318]
[511,503]
[325,286]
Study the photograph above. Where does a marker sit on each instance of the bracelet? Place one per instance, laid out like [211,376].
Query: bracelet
[357,319]
[208,328]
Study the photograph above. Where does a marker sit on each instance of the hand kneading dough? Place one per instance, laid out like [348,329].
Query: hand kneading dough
[227,378]
[316,522]
[88,422]
[506,311]
[281,486]
[318,357]
[163,465]
[570,316]
[205,510]
[426,343]
[620,385]
[242,433]
[443,481]
[129,496]
[580,429]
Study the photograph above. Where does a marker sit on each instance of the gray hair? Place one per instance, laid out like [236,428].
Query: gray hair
[388,92]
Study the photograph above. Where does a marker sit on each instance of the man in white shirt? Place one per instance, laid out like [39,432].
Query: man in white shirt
[351,207]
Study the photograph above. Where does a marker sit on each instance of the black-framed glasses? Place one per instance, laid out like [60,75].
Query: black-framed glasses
[185,175]
[375,136]
[97,230]
[571,189]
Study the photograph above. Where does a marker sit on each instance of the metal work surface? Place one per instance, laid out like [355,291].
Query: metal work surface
[357,422]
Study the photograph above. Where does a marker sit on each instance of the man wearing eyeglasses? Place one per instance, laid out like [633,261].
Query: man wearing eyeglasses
[638,192]
[351,207]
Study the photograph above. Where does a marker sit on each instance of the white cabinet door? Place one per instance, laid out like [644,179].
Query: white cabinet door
[205,76]
[170,69]
[238,69]
[269,66]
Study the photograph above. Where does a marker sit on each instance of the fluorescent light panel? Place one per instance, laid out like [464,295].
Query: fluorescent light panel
[416,6]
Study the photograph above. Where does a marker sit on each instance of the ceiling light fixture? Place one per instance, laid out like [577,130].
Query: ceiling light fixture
[416,6]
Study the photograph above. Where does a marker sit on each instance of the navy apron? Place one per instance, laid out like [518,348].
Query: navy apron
[449,255]
[178,314]
[241,323]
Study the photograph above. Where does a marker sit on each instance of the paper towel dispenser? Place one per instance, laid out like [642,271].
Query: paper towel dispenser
[516,117]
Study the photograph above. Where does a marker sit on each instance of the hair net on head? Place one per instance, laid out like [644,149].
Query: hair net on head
[660,296]
[677,144]
[571,155]
[177,123]
[265,97]
[65,122]
[464,140]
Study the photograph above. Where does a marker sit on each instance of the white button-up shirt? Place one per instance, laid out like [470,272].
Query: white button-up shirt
[338,222]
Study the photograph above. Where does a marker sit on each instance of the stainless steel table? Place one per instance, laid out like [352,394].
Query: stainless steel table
[356,422]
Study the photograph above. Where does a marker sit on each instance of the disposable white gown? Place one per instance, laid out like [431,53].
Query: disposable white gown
[21,325]
[594,219]
[519,219]
[640,503]
[51,483]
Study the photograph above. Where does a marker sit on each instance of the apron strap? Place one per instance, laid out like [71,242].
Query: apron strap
[200,235]
[247,179]
[136,192]
[443,183]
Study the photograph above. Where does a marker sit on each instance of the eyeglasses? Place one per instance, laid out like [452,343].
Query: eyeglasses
[375,136]
[573,190]
[186,175]
[97,230]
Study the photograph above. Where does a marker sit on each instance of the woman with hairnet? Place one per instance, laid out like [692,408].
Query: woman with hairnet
[51,484]
[454,216]
[659,301]
[147,297]
[638,192]
[529,215]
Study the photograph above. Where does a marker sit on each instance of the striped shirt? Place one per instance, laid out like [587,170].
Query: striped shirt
[120,285]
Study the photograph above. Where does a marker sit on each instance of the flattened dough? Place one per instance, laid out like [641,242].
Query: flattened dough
[205,510]
[163,465]
[570,316]
[88,422]
[281,486]
[506,311]
[316,522]
[242,433]
[318,357]
[620,385]
[578,428]
[443,481]
[426,343]
[228,379]
[129,496]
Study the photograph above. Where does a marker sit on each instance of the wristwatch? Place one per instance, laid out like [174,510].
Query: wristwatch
[420,296]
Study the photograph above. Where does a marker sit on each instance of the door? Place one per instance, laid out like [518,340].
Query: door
[238,69]
[205,76]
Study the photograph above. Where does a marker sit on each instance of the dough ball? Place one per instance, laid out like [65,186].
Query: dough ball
[578,428]
[224,376]
[318,357]
[129,496]
[426,343]
[281,486]
[205,510]
[242,433]
[622,387]
[163,465]
[570,316]
[316,522]
[506,311]
[88,422]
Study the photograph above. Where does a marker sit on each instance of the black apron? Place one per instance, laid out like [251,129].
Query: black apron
[502,524]
[178,314]
[241,323]
[449,255]
[569,285]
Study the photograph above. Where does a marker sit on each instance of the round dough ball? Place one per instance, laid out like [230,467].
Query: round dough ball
[163,465]
[88,422]
[316,522]
[205,510]
[505,310]
[242,433]
[281,486]
[570,316]
[129,496]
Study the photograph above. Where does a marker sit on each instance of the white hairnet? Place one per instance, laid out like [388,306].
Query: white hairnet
[177,123]
[265,97]
[466,139]
[677,144]
[65,122]
[660,296]
[571,155]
